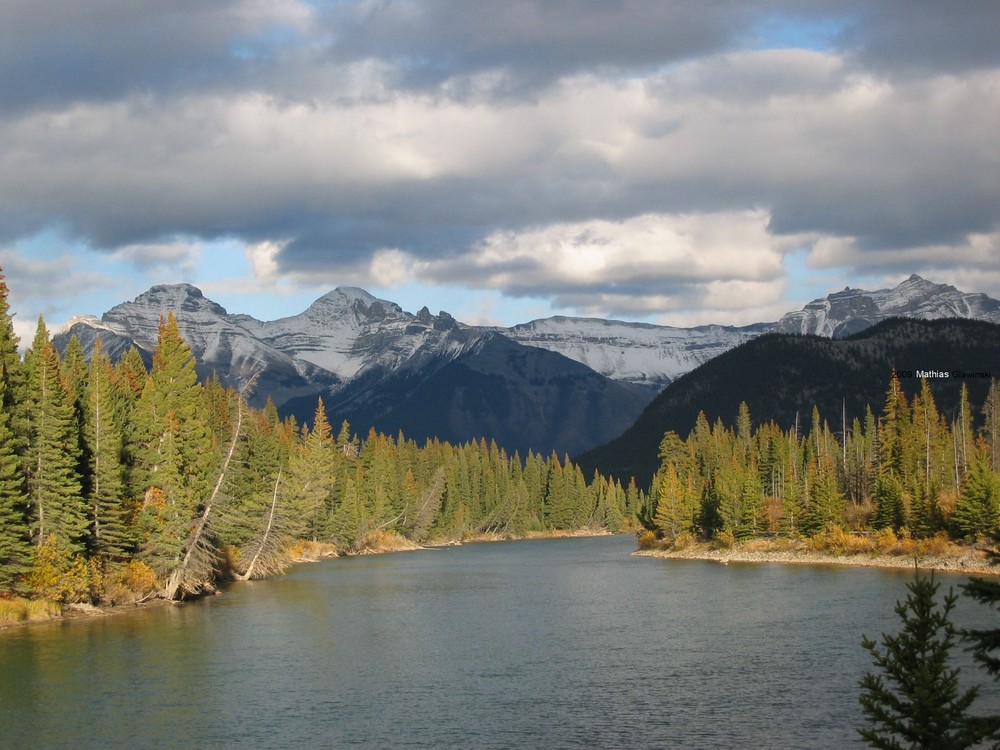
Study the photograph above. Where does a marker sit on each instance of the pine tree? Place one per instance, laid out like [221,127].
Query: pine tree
[978,507]
[986,642]
[674,514]
[311,480]
[177,451]
[15,548]
[890,512]
[913,701]
[108,528]
[53,482]
[11,371]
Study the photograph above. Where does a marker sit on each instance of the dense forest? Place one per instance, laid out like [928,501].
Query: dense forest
[783,376]
[119,482]
[908,469]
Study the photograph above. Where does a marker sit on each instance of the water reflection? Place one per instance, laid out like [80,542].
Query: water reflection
[561,643]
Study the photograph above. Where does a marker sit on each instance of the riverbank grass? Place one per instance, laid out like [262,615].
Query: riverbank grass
[17,610]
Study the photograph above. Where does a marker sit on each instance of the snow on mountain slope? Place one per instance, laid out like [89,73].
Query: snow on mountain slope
[348,332]
[218,339]
[852,310]
[631,352]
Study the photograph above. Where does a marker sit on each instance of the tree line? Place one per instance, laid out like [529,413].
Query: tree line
[910,468]
[117,481]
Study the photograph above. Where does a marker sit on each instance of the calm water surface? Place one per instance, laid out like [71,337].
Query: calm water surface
[553,643]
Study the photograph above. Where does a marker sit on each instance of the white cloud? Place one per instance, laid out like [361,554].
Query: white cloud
[649,264]
[263,260]
[654,184]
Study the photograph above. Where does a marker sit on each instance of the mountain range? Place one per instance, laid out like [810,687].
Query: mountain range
[564,384]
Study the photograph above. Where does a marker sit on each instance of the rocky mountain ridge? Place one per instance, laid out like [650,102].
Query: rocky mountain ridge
[368,357]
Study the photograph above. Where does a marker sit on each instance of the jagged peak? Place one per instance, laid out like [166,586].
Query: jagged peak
[177,295]
[351,298]
[348,293]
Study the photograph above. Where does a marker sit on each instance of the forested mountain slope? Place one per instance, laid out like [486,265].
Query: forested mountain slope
[781,377]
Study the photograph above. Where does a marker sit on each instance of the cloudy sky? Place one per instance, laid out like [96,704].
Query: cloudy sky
[668,161]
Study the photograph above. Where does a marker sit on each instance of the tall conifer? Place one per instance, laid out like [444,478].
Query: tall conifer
[108,529]
[15,550]
[53,455]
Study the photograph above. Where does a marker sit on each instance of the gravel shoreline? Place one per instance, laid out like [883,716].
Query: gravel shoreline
[974,562]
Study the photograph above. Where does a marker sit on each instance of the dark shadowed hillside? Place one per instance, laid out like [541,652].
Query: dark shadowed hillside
[520,396]
[781,376]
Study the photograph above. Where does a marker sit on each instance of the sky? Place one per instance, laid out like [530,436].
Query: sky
[665,161]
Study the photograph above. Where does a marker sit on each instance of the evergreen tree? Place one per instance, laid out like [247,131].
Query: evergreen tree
[675,513]
[986,642]
[978,507]
[991,427]
[914,701]
[109,532]
[177,452]
[890,512]
[53,482]
[824,504]
[311,480]
[12,372]
[15,548]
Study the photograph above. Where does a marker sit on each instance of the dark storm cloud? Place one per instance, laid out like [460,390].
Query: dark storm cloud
[341,130]
[537,41]
[65,51]
[924,36]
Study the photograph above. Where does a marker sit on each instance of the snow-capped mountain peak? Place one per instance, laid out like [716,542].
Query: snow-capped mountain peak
[852,310]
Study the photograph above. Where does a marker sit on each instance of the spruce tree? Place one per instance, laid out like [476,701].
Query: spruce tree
[675,513]
[15,548]
[986,642]
[109,533]
[976,511]
[890,512]
[312,479]
[177,453]
[11,370]
[53,455]
[913,700]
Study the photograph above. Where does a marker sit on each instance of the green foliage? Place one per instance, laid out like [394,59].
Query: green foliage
[986,641]
[109,534]
[890,511]
[913,700]
[136,482]
[54,489]
[15,548]
[882,474]
[978,507]
[58,573]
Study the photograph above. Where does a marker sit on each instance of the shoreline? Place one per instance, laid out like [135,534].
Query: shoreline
[974,562]
[311,553]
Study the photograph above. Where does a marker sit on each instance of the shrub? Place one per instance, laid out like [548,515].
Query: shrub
[683,540]
[59,574]
[646,540]
[725,539]
[129,583]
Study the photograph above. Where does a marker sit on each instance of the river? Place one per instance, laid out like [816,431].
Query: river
[546,643]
